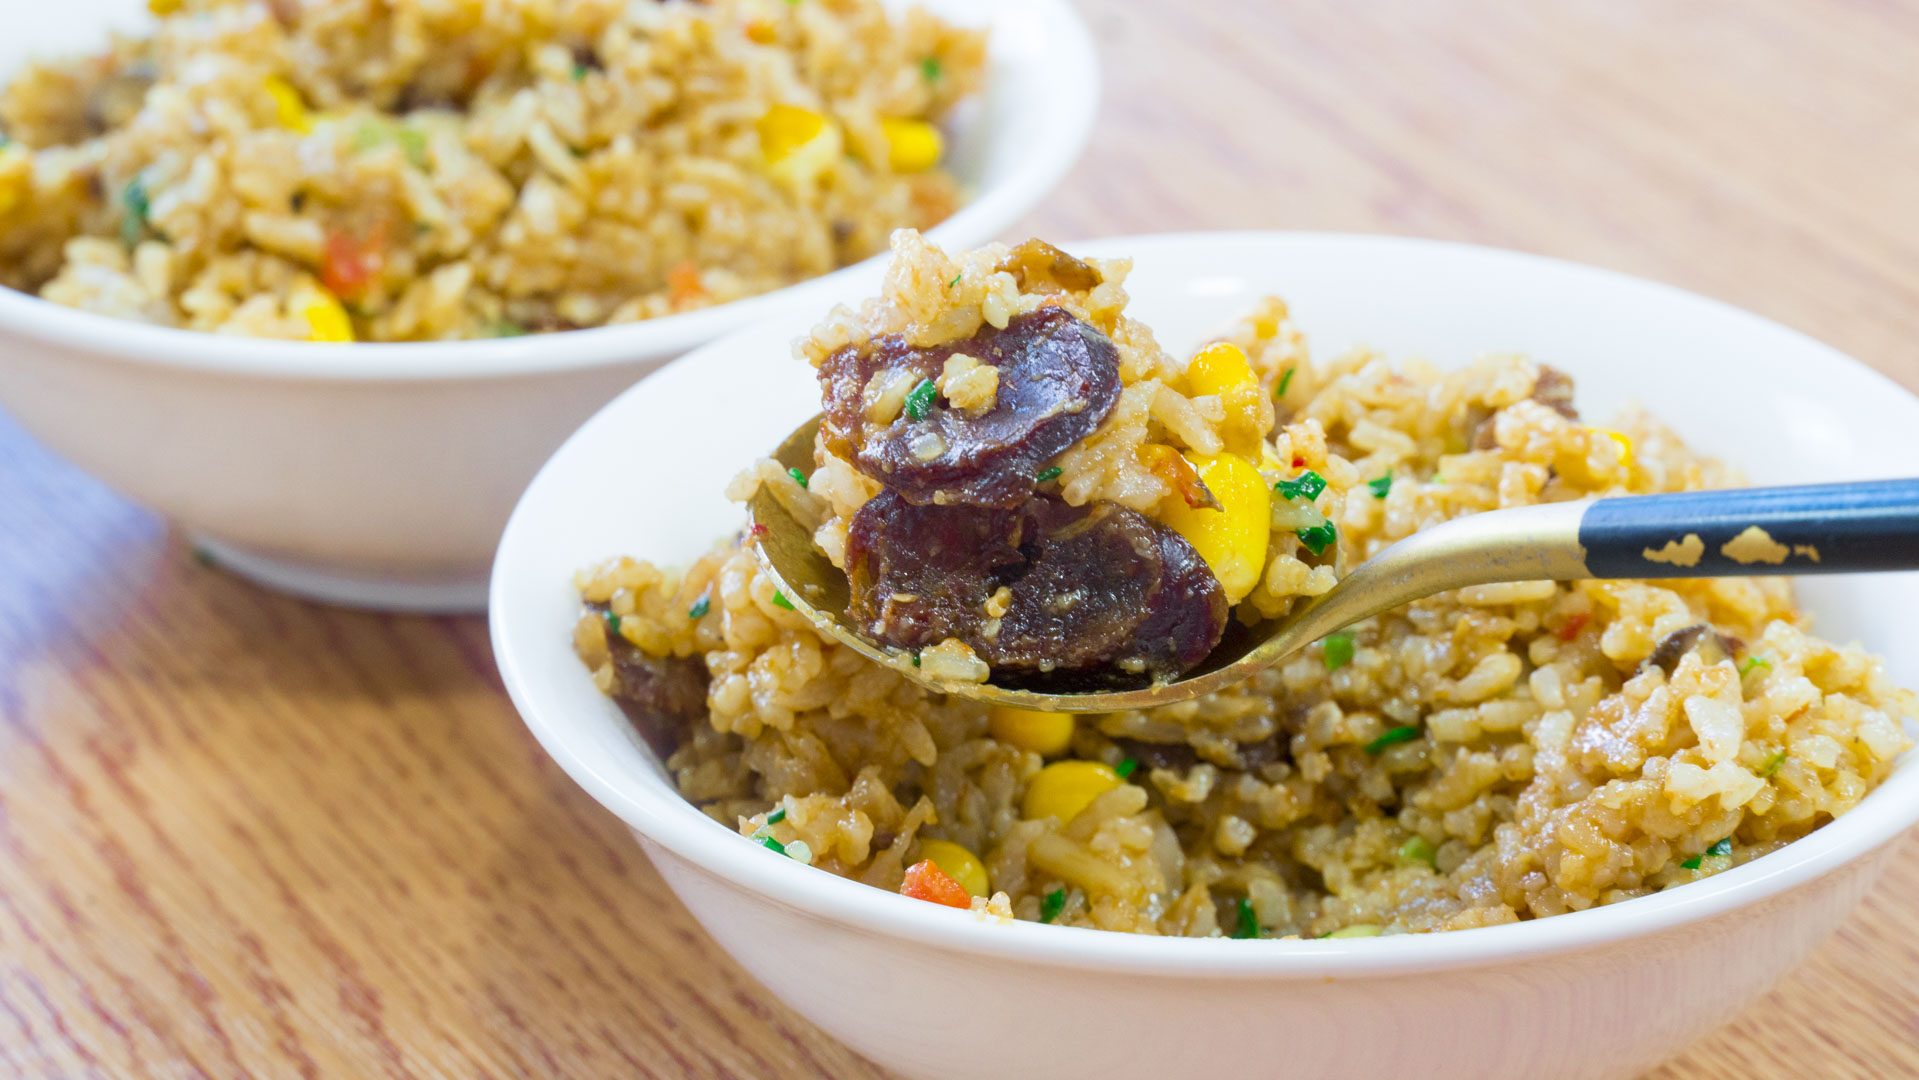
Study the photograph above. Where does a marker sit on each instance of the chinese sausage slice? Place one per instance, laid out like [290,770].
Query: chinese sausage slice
[960,544]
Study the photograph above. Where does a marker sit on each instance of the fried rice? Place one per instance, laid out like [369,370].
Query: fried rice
[395,170]
[1493,754]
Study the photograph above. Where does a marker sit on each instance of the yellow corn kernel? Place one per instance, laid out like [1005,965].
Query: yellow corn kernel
[911,145]
[1232,539]
[326,318]
[14,175]
[1218,368]
[959,864]
[288,108]
[1625,445]
[798,144]
[1359,930]
[1044,733]
[163,7]
[1065,788]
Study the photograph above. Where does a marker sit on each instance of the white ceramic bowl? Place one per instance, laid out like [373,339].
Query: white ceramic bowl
[933,992]
[380,475]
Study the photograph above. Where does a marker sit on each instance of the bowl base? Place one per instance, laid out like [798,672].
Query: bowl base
[330,586]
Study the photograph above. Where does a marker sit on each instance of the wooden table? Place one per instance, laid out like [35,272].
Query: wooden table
[245,836]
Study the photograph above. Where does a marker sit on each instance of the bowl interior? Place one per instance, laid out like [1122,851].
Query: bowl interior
[1010,145]
[644,477]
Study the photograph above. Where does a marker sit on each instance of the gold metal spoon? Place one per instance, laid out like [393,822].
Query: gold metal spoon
[1797,530]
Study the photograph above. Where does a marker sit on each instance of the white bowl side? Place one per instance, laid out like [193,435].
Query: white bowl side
[379,473]
[1783,406]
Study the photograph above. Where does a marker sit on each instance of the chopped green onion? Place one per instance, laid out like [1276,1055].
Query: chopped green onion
[1339,650]
[507,328]
[930,68]
[1419,849]
[1307,484]
[1753,663]
[1285,379]
[413,145]
[916,659]
[135,201]
[1048,474]
[700,607]
[776,816]
[780,600]
[1397,735]
[612,621]
[1722,846]
[1318,537]
[1248,921]
[798,477]
[1051,905]
[1772,764]
[579,71]
[1692,863]
[956,279]
[1380,486]
[1126,768]
[771,844]
[919,400]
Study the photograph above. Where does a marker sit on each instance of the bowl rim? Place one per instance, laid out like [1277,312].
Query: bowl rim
[1037,170]
[665,819]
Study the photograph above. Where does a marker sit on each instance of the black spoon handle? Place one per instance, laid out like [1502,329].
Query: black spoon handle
[1814,529]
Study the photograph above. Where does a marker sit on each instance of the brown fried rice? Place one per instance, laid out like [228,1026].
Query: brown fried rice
[1493,754]
[398,170]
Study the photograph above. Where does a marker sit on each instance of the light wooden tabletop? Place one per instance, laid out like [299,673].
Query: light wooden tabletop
[245,836]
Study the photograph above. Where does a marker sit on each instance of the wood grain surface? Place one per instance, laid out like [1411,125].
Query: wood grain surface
[246,836]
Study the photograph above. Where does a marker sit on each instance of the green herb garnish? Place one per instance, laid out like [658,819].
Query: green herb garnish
[780,600]
[507,328]
[916,659]
[1306,485]
[798,476]
[579,71]
[612,621]
[1722,846]
[776,816]
[771,844]
[1772,764]
[930,69]
[1397,735]
[1318,538]
[136,203]
[1248,921]
[1126,768]
[1380,486]
[1419,849]
[955,281]
[700,607]
[413,145]
[919,400]
[1752,664]
[1048,474]
[1285,379]
[1051,905]
[1338,649]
